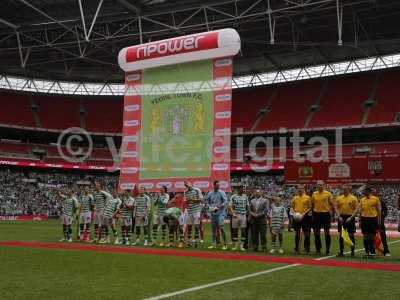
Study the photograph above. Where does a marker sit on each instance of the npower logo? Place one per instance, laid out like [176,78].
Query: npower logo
[223,115]
[127,185]
[220,167]
[172,47]
[133,107]
[130,154]
[130,170]
[222,131]
[169,47]
[131,123]
[130,138]
[223,97]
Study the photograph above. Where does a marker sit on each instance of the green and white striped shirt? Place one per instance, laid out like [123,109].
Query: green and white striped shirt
[161,203]
[142,205]
[239,204]
[278,214]
[193,193]
[100,200]
[112,205]
[126,207]
[85,202]
[69,205]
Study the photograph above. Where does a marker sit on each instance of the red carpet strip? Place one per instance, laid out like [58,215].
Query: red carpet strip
[208,255]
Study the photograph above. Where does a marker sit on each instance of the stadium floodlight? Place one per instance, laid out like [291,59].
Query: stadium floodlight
[8,82]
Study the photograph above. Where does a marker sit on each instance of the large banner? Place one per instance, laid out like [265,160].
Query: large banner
[177,111]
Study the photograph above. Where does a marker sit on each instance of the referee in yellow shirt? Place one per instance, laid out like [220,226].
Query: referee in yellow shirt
[370,211]
[323,207]
[347,207]
[301,204]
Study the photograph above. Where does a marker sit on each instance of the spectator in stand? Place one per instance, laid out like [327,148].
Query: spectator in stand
[35,193]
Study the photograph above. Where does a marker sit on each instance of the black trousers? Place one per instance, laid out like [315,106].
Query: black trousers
[247,239]
[259,232]
[382,231]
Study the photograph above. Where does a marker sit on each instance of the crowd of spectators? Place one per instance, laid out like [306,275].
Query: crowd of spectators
[35,192]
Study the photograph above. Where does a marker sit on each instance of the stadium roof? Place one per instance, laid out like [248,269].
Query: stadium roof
[78,40]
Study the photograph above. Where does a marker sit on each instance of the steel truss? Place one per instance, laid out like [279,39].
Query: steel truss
[108,89]
[103,33]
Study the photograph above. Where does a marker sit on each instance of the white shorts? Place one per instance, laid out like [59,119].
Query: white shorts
[184,218]
[159,220]
[194,218]
[66,220]
[240,221]
[85,218]
[98,218]
[126,222]
[141,221]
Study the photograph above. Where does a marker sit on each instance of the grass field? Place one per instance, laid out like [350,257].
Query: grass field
[71,274]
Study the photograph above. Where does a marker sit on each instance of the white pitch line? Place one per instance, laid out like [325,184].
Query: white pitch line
[204,286]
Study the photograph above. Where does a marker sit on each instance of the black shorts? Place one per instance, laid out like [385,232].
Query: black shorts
[350,226]
[321,220]
[369,225]
[305,224]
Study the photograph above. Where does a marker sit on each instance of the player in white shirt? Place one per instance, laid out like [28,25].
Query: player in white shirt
[111,211]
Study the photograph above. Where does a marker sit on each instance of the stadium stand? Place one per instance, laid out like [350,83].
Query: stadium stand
[25,193]
[247,106]
[34,193]
[312,104]
[103,155]
[103,115]
[342,102]
[58,112]
[18,110]
[387,104]
[291,105]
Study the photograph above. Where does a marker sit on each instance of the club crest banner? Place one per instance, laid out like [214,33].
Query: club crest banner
[177,111]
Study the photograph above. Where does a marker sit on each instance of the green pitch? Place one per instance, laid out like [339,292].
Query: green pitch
[177,123]
[65,274]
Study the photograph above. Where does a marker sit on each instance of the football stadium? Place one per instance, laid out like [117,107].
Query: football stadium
[216,149]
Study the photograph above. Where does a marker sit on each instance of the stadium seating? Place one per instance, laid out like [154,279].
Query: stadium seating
[342,102]
[14,150]
[58,112]
[246,107]
[103,115]
[387,99]
[103,157]
[16,110]
[290,107]
[258,109]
